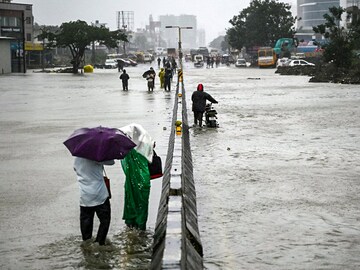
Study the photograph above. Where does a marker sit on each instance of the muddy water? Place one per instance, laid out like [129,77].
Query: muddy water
[278,183]
[39,197]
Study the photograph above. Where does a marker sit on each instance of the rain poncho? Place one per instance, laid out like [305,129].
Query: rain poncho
[137,182]
[162,77]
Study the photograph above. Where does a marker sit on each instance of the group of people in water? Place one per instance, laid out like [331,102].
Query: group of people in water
[94,195]
[165,75]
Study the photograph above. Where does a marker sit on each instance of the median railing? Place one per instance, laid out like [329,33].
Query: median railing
[177,243]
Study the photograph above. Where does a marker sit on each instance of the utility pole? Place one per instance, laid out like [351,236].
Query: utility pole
[124,29]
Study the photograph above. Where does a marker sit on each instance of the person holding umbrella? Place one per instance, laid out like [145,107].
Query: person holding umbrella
[93,148]
[150,75]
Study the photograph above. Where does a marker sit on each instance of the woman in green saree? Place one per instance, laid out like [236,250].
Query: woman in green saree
[137,182]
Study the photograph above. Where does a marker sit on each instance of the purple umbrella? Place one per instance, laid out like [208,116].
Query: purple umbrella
[99,143]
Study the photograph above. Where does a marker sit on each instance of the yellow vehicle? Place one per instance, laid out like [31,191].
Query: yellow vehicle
[266,57]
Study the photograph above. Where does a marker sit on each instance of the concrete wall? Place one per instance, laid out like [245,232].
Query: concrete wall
[177,243]
[5,57]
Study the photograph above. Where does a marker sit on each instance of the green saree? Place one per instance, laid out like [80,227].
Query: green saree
[137,189]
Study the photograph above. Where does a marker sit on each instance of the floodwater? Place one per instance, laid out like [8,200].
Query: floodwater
[277,183]
[39,195]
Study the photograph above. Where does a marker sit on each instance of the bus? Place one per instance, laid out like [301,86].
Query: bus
[266,57]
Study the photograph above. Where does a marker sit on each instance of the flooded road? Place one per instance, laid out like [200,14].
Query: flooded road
[39,194]
[277,184]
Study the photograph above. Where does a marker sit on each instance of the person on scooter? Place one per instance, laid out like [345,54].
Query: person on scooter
[199,98]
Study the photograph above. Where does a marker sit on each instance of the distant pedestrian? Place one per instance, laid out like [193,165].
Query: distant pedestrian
[124,77]
[208,62]
[162,78]
[159,61]
[217,61]
[173,64]
[164,62]
[150,81]
[199,98]
[168,77]
[150,75]
[120,65]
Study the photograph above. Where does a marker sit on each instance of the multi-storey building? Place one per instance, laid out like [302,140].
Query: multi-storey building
[16,25]
[310,13]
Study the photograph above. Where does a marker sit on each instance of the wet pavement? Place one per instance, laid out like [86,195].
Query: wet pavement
[277,183]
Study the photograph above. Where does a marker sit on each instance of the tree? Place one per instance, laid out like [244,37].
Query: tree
[78,35]
[341,41]
[261,24]
[216,43]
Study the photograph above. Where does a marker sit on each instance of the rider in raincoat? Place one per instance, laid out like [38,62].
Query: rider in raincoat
[199,98]
[137,182]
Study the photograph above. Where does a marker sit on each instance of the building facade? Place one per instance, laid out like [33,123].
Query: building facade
[16,22]
[310,13]
[5,55]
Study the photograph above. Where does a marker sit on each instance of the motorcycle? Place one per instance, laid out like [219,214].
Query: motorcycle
[210,116]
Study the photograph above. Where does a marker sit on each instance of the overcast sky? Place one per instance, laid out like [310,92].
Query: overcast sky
[212,15]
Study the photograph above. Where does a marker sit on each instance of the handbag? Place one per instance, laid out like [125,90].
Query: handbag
[155,167]
[107,183]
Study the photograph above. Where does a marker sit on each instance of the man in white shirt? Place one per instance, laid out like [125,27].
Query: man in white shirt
[94,197]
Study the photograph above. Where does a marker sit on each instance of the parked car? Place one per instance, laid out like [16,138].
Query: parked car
[125,62]
[299,62]
[240,62]
[132,62]
[110,63]
[148,58]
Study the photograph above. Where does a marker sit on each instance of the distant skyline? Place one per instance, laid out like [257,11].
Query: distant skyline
[212,15]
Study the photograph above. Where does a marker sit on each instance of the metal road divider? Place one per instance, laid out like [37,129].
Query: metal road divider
[177,243]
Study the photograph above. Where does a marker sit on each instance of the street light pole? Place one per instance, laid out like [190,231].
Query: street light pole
[180,49]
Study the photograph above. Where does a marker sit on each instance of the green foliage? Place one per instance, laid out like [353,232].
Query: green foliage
[217,42]
[341,42]
[261,24]
[77,35]
[355,27]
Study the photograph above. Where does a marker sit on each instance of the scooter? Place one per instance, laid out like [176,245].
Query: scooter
[210,116]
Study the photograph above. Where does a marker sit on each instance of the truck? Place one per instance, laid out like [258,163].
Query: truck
[171,52]
[287,47]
